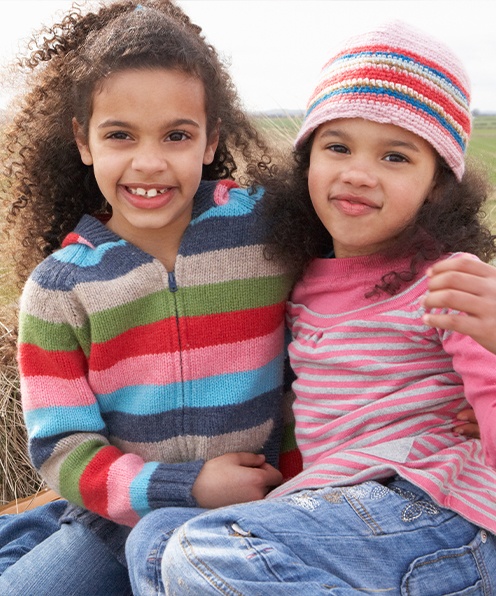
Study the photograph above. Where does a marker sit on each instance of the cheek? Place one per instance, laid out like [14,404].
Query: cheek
[316,182]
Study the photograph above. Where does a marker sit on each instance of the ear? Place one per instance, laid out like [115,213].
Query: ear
[82,143]
[212,143]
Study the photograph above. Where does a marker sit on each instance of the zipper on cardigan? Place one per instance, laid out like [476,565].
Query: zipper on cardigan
[172,281]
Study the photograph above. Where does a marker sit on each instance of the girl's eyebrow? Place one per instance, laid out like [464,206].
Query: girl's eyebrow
[392,142]
[332,132]
[403,145]
[120,123]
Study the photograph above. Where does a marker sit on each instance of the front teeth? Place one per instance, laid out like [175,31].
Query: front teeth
[152,192]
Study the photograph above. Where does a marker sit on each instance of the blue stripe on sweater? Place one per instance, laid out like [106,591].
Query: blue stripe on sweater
[75,264]
[146,400]
[220,390]
[46,422]
[204,422]
[138,489]
[84,256]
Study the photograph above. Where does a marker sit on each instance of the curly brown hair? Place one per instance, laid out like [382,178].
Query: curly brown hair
[451,220]
[47,187]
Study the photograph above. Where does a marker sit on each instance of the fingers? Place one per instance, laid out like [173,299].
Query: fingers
[468,424]
[273,478]
[462,301]
[463,264]
[468,430]
[465,275]
[467,325]
[467,415]
[250,460]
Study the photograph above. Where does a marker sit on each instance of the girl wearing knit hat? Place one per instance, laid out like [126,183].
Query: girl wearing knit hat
[390,500]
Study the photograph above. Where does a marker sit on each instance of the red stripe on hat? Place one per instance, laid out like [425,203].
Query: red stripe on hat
[417,83]
[418,58]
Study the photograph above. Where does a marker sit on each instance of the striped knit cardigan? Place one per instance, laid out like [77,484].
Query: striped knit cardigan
[132,377]
[377,390]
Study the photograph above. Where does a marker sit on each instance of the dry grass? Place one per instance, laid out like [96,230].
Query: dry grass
[18,478]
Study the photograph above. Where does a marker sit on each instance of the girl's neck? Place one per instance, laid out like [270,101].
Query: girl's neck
[163,245]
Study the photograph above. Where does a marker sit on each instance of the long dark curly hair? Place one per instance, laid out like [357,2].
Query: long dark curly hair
[47,188]
[451,220]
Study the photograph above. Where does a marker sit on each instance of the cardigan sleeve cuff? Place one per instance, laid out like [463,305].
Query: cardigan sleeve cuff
[171,485]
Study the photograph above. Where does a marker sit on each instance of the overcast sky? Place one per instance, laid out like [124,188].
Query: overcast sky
[276,48]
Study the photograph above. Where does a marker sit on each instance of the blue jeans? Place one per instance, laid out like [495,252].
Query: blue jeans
[366,539]
[71,562]
[21,532]
[146,544]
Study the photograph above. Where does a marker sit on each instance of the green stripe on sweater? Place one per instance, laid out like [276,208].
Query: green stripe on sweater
[73,467]
[195,301]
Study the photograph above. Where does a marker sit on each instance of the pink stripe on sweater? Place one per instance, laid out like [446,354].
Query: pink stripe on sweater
[120,476]
[48,392]
[194,364]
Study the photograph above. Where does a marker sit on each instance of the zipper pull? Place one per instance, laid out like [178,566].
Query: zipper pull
[172,281]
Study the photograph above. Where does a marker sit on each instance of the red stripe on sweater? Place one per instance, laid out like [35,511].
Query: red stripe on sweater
[34,361]
[95,477]
[196,332]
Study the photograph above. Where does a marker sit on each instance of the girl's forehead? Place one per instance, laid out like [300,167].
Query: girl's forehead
[149,97]
[173,76]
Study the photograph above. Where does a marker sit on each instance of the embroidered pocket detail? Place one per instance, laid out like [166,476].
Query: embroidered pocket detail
[303,500]
[415,510]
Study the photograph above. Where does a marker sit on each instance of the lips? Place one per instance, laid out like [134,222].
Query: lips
[353,205]
[148,196]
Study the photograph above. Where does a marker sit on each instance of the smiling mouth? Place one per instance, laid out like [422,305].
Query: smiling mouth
[150,193]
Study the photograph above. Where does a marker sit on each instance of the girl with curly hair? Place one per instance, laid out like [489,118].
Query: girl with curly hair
[151,335]
[389,499]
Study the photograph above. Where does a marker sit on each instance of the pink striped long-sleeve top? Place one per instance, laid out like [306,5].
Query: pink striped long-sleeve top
[377,390]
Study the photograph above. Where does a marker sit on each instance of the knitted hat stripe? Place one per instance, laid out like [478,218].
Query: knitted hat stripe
[402,83]
[390,72]
[454,117]
[357,92]
[407,61]
[397,75]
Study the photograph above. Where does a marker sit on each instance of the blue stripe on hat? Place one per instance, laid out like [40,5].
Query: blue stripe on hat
[367,89]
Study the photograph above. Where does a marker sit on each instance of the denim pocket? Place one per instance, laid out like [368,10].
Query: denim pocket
[447,572]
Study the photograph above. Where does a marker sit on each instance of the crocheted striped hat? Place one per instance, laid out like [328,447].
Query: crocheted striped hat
[397,75]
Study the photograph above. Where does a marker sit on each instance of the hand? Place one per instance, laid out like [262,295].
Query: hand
[234,478]
[467,285]
[468,426]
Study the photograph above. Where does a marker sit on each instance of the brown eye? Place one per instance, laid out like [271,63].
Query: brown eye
[177,136]
[119,135]
[396,158]
[338,148]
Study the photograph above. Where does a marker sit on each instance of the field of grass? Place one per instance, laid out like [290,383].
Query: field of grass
[483,143]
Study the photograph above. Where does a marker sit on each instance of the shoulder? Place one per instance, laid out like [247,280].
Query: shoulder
[91,253]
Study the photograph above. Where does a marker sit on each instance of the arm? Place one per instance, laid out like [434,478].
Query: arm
[477,368]
[69,435]
[467,285]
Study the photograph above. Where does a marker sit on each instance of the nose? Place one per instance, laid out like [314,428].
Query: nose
[359,172]
[149,158]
